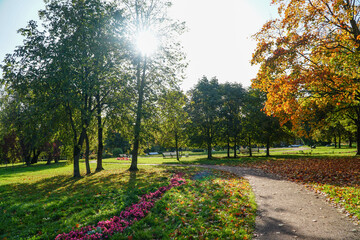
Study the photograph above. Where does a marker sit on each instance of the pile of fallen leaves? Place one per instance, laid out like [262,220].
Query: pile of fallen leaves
[336,178]
[335,171]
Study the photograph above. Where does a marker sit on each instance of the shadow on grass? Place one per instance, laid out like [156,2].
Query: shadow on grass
[11,170]
[200,210]
[57,204]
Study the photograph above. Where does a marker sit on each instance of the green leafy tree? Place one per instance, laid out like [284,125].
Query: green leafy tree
[204,111]
[115,140]
[232,101]
[26,120]
[173,119]
[70,62]
[152,74]
[251,122]
[259,126]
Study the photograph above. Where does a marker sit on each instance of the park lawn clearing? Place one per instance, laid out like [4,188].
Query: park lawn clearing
[336,178]
[41,202]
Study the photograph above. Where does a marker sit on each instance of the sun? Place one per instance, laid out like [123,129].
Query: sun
[146,42]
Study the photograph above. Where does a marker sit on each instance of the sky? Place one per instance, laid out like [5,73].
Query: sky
[217,44]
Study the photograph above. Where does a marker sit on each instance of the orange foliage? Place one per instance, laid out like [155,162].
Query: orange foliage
[309,58]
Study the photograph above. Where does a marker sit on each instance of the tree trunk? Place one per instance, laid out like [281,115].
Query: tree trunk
[350,139]
[177,146]
[228,147]
[49,158]
[209,142]
[99,166]
[250,151]
[335,142]
[235,147]
[209,150]
[87,153]
[25,152]
[358,138]
[137,127]
[268,147]
[339,139]
[357,122]
[76,153]
[27,159]
[36,155]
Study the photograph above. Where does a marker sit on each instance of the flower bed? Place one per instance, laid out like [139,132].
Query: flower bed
[202,176]
[134,213]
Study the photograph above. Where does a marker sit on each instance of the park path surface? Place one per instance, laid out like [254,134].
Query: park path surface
[287,210]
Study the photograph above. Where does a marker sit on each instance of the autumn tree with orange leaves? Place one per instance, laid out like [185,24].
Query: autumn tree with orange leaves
[310,61]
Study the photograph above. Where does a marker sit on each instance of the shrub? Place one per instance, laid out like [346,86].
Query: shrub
[197,150]
[117,151]
[107,155]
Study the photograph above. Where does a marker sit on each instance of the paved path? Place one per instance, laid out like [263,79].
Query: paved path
[287,210]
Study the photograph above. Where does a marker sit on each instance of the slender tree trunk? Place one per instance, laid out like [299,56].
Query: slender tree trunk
[235,146]
[250,150]
[87,153]
[209,142]
[209,150]
[35,157]
[99,166]
[335,142]
[228,147]
[137,127]
[177,146]
[357,123]
[25,152]
[339,139]
[76,153]
[358,138]
[350,139]
[49,158]
[268,147]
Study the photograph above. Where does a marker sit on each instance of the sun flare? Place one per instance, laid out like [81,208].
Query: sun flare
[146,42]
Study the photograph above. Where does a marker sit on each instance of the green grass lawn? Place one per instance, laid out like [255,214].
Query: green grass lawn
[41,201]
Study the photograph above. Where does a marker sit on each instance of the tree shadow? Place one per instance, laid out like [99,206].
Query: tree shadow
[57,204]
[11,170]
[132,180]
[170,217]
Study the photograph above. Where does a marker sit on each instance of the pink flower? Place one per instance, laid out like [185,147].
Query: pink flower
[131,214]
